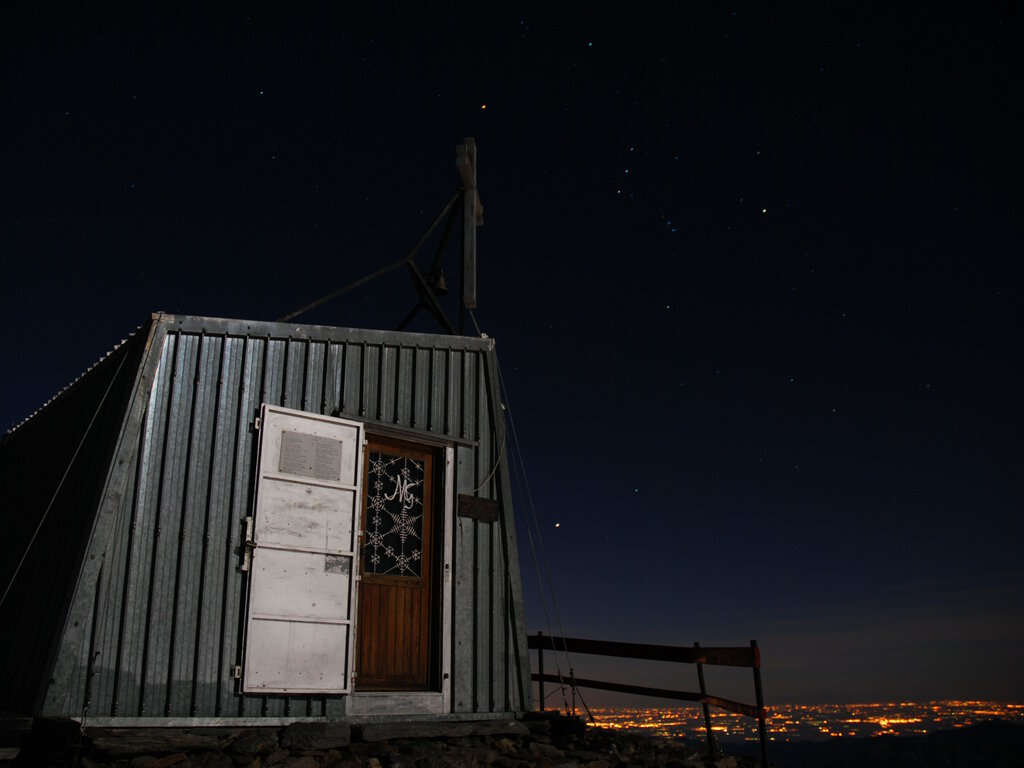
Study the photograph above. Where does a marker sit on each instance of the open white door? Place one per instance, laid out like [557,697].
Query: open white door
[301,588]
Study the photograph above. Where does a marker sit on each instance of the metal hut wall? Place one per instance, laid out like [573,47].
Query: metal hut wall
[186,541]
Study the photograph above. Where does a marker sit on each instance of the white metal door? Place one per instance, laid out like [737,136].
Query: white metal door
[301,589]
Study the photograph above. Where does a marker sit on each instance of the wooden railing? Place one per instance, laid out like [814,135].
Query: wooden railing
[741,656]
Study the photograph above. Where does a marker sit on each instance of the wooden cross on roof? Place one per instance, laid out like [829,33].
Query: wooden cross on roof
[430,284]
[472,217]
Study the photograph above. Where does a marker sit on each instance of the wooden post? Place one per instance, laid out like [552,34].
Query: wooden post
[540,668]
[704,705]
[472,217]
[572,682]
[762,730]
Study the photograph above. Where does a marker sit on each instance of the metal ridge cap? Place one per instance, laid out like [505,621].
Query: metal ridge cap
[313,332]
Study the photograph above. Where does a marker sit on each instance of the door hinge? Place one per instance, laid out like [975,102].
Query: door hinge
[256,424]
[237,672]
[248,546]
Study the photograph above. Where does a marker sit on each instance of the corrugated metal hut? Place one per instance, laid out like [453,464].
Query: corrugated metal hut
[243,522]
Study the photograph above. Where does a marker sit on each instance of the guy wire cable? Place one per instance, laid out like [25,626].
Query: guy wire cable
[515,478]
[63,477]
[517,455]
[529,532]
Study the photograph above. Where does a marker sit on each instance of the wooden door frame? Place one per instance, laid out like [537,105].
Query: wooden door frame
[436,701]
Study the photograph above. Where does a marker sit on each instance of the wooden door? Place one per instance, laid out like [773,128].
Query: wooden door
[299,626]
[397,637]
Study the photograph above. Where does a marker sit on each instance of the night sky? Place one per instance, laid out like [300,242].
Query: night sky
[750,270]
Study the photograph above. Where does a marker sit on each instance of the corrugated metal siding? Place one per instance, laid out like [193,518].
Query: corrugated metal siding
[162,634]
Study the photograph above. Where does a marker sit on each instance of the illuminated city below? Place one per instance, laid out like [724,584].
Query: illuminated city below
[803,722]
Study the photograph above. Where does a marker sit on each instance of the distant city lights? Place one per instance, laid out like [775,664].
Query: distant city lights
[807,722]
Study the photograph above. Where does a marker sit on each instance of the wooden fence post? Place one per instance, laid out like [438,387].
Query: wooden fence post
[540,667]
[762,730]
[704,704]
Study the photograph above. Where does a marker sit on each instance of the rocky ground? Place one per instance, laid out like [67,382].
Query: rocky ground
[547,741]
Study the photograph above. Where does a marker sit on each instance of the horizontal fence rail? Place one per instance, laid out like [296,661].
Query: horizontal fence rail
[741,656]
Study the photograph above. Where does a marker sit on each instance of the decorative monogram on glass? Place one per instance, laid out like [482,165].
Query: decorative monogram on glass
[394,516]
